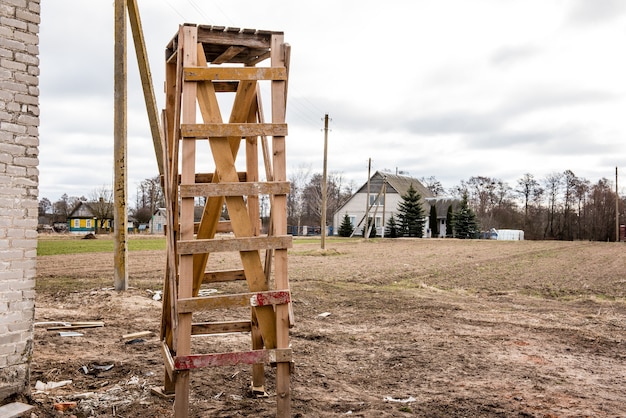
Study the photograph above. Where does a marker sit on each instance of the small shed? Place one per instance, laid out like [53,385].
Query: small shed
[507,234]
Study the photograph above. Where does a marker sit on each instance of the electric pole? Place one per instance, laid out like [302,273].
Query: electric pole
[324,185]
[119,149]
[616,209]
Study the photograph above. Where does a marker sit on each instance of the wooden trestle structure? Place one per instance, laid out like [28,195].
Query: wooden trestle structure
[202,61]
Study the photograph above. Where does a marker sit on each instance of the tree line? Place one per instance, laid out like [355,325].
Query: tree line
[560,206]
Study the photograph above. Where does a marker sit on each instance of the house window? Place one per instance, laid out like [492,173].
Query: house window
[378,222]
[352,219]
[379,202]
[76,223]
[88,223]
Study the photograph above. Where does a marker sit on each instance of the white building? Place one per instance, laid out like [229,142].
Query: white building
[383,202]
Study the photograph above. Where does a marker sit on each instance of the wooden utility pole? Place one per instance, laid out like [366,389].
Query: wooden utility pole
[384,203]
[324,184]
[616,209]
[119,148]
[367,201]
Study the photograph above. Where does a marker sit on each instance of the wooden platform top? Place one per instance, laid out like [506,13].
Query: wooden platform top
[225,45]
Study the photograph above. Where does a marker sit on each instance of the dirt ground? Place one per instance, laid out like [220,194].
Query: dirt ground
[384,328]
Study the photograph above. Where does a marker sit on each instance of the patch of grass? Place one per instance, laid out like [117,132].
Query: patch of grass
[58,247]
[318,252]
[65,285]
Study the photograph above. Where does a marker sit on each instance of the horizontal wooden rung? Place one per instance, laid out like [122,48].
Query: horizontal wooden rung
[234,73]
[208,177]
[234,189]
[222,226]
[239,300]
[239,130]
[204,246]
[223,276]
[197,361]
[206,328]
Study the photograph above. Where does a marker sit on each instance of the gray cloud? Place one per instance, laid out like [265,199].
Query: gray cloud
[510,55]
[596,11]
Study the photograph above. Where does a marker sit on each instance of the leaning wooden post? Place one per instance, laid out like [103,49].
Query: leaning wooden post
[119,148]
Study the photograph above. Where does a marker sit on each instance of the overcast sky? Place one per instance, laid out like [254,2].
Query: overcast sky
[443,88]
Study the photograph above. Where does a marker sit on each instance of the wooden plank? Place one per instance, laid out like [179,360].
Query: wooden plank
[222,226]
[279,91]
[231,359]
[188,170]
[207,303]
[208,177]
[207,328]
[239,300]
[234,189]
[276,297]
[168,360]
[244,38]
[198,361]
[230,52]
[77,325]
[239,130]
[139,334]
[225,86]
[146,82]
[14,410]
[223,276]
[234,73]
[201,246]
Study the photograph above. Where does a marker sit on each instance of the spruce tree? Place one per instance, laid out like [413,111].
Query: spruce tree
[433,224]
[449,222]
[391,231]
[411,214]
[345,229]
[465,223]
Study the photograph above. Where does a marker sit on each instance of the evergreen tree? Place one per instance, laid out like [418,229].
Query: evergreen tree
[391,231]
[371,227]
[432,222]
[449,222]
[345,229]
[465,223]
[411,214]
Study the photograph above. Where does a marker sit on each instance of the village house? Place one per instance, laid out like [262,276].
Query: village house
[158,222]
[385,194]
[84,220]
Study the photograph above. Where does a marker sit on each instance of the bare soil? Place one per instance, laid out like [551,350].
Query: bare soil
[411,327]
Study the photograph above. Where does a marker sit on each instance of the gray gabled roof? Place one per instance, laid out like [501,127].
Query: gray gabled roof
[442,204]
[395,184]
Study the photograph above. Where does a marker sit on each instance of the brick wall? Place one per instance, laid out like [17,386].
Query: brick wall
[19,140]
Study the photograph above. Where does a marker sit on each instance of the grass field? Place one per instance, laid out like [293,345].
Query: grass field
[75,246]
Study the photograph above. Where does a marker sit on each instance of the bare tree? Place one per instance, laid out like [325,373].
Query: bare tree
[434,185]
[553,184]
[527,188]
[149,198]
[102,206]
[295,205]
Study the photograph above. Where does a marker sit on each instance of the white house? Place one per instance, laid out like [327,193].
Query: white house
[158,222]
[383,202]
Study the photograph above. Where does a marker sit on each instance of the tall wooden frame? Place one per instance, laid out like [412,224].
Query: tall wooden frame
[202,61]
